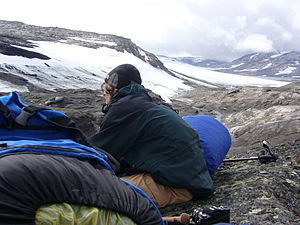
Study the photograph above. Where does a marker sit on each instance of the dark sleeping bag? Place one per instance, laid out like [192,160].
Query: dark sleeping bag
[42,163]
[29,181]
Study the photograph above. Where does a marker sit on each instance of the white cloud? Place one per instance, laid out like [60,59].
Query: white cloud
[294,17]
[255,42]
[241,21]
[211,28]
[286,36]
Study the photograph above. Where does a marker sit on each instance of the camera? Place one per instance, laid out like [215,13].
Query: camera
[210,215]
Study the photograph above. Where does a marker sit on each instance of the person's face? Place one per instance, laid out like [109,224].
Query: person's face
[108,92]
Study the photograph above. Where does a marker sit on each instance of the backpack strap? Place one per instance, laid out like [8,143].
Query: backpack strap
[7,115]
[26,113]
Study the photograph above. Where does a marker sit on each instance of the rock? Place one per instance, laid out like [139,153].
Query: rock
[256,193]
[16,34]
[49,102]
[251,114]
[7,49]
[58,99]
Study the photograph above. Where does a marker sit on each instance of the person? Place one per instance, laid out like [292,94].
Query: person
[158,151]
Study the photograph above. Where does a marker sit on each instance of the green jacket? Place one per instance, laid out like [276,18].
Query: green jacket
[153,138]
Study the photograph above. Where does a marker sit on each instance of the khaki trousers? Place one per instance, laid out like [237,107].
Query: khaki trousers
[161,195]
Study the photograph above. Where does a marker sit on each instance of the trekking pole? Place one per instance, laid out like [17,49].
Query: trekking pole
[271,157]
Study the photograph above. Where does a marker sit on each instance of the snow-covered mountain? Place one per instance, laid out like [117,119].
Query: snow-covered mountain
[273,65]
[280,66]
[206,77]
[52,58]
[195,61]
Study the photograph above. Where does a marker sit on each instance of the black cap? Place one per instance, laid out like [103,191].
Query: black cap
[123,75]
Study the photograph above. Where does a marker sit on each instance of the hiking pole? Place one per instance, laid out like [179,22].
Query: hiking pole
[271,157]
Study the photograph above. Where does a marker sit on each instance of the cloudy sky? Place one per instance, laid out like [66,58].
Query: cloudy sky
[218,29]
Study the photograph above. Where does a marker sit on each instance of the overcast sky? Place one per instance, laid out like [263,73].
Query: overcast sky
[218,29]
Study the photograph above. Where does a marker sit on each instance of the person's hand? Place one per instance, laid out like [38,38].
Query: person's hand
[108,92]
[107,95]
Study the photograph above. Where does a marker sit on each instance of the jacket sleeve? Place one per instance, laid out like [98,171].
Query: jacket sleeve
[122,125]
[117,138]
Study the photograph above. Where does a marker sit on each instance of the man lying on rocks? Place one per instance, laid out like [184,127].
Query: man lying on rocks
[158,151]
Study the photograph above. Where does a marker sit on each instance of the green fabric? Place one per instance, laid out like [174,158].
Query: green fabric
[135,89]
[157,141]
[70,214]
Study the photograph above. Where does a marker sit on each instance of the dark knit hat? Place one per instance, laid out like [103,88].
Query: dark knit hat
[123,75]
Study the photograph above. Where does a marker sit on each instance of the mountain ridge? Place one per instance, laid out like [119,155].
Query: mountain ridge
[51,57]
[283,66]
[21,34]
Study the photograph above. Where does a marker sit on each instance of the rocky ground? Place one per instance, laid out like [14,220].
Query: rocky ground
[256,193]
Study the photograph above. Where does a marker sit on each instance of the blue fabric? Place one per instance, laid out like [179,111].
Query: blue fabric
[21,134]
[31,139]
[42,146]
[214,139]
[15,105]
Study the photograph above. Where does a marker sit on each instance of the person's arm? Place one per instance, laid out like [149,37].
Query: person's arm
[122,125]
[117,139]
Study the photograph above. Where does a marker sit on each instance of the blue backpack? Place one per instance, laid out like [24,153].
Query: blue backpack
[214,139]
[26,128]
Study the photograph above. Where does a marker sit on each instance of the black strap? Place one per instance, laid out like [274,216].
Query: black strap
[7,116]
[21,119]
[26,113]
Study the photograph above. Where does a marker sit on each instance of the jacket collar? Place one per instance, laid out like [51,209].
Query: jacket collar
[132,89]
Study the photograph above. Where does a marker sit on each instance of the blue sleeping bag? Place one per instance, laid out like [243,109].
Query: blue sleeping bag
[214,139]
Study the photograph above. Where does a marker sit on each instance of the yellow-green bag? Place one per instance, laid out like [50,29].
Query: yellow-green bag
[70,214]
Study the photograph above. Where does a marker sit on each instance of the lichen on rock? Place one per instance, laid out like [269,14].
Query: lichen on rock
[256,193]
